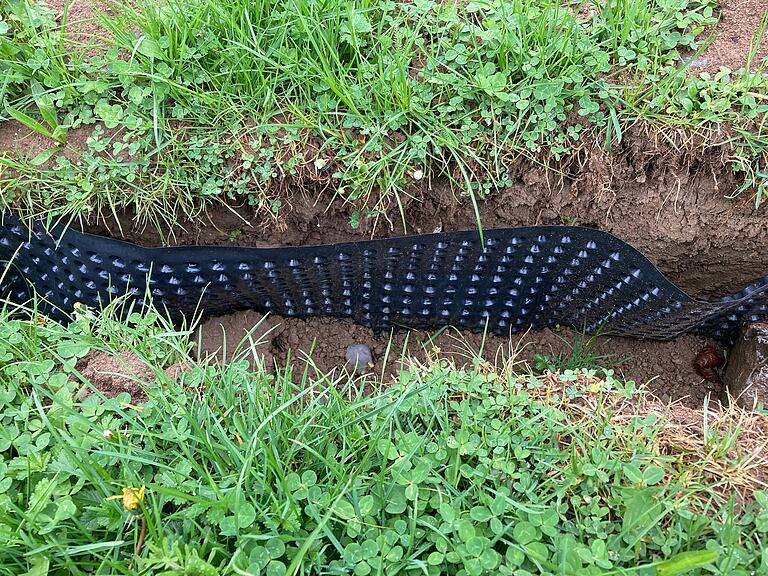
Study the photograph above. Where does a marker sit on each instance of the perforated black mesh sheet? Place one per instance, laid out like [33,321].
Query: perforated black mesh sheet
[511,280]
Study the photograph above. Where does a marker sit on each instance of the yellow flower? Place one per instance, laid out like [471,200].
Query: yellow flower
[132,498]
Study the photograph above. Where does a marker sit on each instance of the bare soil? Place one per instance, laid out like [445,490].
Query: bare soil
[114,374]
[734,37]
[82,29]
[665,368]
[17,139]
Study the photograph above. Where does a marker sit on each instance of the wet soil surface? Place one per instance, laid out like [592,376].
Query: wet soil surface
[666,368]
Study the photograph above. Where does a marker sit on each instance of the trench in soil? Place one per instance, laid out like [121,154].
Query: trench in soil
[672,207]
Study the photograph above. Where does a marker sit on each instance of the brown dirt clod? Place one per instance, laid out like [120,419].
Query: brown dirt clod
[113,374]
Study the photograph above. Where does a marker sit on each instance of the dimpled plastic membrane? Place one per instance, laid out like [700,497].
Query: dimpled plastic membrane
[509,281]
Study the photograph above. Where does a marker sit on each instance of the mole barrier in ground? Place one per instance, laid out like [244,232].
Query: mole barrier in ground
[510,280]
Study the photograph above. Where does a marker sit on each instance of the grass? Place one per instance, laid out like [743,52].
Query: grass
[581,353]
[448,470]
[466,470]
[198,102]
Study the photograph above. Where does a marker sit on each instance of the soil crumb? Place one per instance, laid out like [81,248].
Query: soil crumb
[664,368]
[735,34]
[114,374]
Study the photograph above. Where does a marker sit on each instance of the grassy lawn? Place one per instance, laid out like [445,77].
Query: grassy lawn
[164,109]
[474,470]
[174,106]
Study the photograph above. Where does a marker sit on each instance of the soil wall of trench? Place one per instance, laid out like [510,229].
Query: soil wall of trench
[674,207]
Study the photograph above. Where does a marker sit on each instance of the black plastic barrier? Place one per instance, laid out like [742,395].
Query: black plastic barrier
[511,280]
